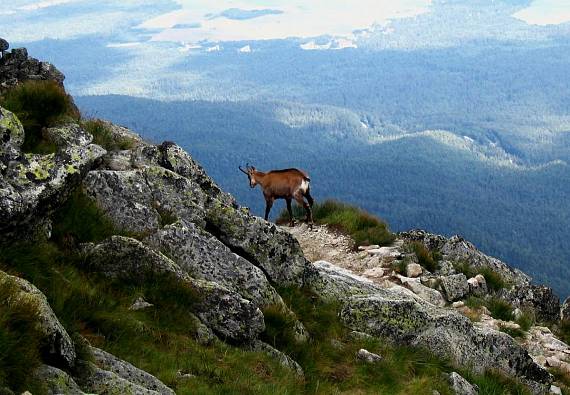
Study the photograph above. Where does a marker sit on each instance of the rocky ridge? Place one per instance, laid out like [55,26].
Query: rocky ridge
[182,225]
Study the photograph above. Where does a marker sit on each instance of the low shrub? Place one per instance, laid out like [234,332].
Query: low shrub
[494,280]
[426,258]
[364,228]
[499,308]
[39,104]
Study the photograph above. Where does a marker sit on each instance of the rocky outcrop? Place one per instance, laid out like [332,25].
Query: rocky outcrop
[538,299]
[225,311]
[203,256]
[57,381]
[457,249]
[104,382]
[16,66]
[11,137]
[283,359]
[401,316]
[57,346]
[33,185]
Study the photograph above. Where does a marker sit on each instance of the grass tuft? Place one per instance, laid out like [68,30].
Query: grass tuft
[364,228]
[103,135]
[39,104]
[20,348]
[494,280]
[426,258]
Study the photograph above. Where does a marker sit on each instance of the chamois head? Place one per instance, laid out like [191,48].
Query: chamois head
[250,172]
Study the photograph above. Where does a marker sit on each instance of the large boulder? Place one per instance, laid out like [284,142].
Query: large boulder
[403,317]
[203,256]
[455,286]
[56,381]
[126,371]
[172,157]
[104,382]
[33,185]
[224,311]
[272,249]
[128,258]
[57,347]
[536,298]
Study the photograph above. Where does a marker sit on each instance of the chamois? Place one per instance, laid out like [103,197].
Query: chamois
[285,184]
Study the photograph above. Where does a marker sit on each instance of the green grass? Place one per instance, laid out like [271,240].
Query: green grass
[19,341]
[39,104]
[494,280]
[103,136]
[328,359]
[427,259]
[79,220]
[364,228]
[161,339]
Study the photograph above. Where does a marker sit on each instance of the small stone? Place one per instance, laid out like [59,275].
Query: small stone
[140,304]
[413,270]
[458,304]
[454,286]
[367,356]
[517,313]
[555,390]
[184,376]
[375,272]
[461,386]
[553,362]
[370,247]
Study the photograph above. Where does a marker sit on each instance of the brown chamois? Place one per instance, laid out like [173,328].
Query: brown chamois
[285,184]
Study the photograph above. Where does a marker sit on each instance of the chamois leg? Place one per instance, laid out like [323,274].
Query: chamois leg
[307,207]
[309,198]
[268,205]
[291,221]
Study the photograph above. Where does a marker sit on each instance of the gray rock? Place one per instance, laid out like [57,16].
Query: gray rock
[140,304]
[555,390]
[413,270]
[565,310]
[399,315]
[426,293]
[170,156]
[285,360]
[222,310]
[67,135]
[536,298]
[367,356]
[126,198]
[126,371]
[203,256]
[16,66]
[11,137]
[477,285]
[455,286]
[104,382]
[457,249]
[57,346]
[34,185]
[227,314]
[272,249]
[129,259]
[57,381]
[460,386]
